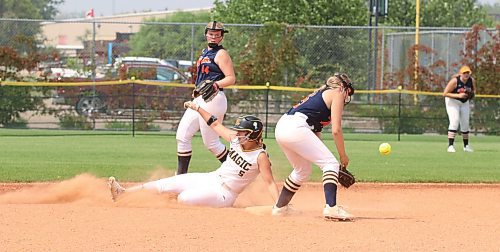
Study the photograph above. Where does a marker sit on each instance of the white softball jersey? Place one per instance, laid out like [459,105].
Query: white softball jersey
[240,168]
[219,188]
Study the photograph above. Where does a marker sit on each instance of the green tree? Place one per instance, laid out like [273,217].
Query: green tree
[170,41]
[29,9]
[17,99]
[24,9]
[304,12]
[19,51]
[484,64]
[276,58]
[307,65]
[437,13]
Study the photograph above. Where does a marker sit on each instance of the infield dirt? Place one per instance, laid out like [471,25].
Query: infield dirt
[78,215]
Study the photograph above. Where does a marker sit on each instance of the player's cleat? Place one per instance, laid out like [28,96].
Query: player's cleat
[336,213]
[284,211]
[467,148]
[451,149]
[115,188]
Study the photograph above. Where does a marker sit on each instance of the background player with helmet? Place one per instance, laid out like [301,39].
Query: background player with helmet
[458,92]
[220,188]
[216,67]
[298,133]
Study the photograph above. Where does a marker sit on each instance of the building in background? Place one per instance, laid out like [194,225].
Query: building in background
[73,37]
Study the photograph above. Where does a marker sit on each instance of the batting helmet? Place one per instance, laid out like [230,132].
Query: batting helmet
[250,124]
[215,26]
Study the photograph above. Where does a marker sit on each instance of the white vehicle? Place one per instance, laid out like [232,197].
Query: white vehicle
[140,60]
[58,72]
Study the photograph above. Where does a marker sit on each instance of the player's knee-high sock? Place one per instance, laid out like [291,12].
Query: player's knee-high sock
[330,182]
[223,155]
[465,136]
[451,136]
[183,159]
[289,189]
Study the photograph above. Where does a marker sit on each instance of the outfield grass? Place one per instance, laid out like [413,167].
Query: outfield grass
[46,155]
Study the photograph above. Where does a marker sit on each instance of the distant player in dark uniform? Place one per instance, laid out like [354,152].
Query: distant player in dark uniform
[458,92]
[298,133]
[214,64]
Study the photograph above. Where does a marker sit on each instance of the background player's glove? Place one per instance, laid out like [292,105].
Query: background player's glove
[208,90]
[346,178]
[470,93]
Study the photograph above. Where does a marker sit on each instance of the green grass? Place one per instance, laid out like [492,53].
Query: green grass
[46,155]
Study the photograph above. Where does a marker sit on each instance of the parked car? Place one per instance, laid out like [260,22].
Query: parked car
[108,98]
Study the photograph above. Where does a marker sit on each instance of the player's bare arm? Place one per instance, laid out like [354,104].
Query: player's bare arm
[223,60]
[337,108]
[211,120]
[267,175]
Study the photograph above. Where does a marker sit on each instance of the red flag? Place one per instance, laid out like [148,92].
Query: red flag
[90,13]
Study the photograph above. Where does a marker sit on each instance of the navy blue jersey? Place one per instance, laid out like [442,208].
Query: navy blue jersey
[461,87]
[207,69]
[314,107]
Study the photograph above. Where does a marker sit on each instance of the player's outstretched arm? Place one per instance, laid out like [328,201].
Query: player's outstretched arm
[337,108]
[267,175]
[211,120]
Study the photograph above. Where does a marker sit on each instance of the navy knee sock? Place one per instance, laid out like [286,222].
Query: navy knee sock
[289,189]
[183,164]
[330,194]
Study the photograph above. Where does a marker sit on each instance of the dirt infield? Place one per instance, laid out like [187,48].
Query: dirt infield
[78,215]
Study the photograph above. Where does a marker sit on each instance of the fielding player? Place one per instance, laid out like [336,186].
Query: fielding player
[459,90]
[213,64]
[298,133]
[220,188]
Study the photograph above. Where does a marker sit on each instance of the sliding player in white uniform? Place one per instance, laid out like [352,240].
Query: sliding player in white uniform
[220,188]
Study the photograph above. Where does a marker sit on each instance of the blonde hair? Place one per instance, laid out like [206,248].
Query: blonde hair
[335,81]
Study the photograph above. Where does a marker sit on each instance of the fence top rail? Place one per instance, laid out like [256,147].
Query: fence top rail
[100,20]
[245,87]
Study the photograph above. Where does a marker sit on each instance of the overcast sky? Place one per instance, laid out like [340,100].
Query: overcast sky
[109,7]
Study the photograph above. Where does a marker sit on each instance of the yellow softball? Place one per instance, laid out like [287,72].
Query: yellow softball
[384,148]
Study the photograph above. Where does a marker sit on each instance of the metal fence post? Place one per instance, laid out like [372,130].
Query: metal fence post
[382,54]
[399,114]
[267,106]
[192,44]
[133,109]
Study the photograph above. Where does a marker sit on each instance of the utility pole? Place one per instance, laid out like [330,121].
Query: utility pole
[375,45]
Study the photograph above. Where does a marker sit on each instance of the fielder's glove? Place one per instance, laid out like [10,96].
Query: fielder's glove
[346,178]
[470,93]
[208,90]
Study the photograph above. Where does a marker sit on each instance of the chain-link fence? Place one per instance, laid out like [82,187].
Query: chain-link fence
[294,54]
[376,58]
[148,106]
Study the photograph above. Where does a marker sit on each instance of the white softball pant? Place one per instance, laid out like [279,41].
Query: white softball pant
[191,122]
[201,189]
[302,147]
[458,113]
